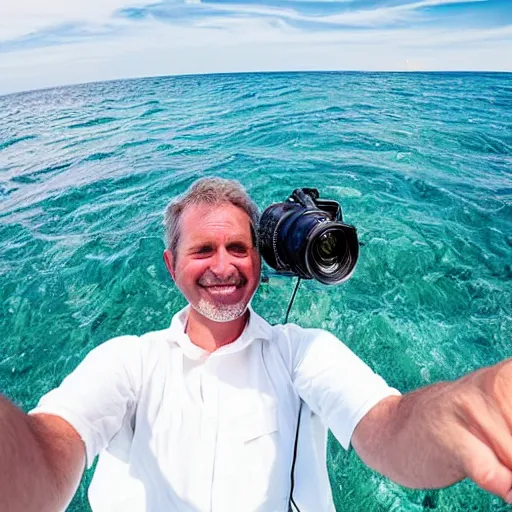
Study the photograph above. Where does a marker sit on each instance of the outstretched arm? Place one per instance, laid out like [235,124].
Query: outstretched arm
[438,435]
[41,461]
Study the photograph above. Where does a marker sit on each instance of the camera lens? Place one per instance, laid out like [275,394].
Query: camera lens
[331,256]
[329,251]
[327,247]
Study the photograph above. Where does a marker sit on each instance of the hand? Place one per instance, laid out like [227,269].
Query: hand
[482,434]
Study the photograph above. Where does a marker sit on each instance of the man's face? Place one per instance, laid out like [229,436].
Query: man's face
[217,267]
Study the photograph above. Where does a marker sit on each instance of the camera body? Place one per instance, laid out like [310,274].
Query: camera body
[305,236]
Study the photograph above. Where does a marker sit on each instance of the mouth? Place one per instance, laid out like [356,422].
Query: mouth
[222,290]
[230,291]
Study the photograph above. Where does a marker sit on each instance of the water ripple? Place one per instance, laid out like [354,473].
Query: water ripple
[421,163]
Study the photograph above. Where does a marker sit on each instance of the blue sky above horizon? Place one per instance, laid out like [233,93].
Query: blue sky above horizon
[60,41]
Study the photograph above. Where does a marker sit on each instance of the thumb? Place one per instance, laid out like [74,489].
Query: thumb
[483,467]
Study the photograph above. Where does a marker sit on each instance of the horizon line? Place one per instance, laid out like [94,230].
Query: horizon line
[272,72]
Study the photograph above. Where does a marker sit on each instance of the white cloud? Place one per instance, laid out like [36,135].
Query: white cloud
[252,44]
[361,17]
[431,3]
[21,17]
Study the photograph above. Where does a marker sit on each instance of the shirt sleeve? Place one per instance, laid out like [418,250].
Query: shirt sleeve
[335,383]
[98,394]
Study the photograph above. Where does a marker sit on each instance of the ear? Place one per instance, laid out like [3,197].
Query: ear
[169,262]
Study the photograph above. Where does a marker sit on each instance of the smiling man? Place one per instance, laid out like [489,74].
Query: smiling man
[217,267]
[224,412]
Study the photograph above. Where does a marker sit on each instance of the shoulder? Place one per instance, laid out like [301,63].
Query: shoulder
[297,334]
[118,344]
[155,339]
[312,352]
[294,342]
[129,344]
[126,354]
[301,341]
[284,332]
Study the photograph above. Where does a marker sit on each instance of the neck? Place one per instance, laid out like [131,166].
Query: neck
[210,335]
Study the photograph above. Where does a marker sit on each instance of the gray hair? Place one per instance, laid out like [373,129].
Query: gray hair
[212,192]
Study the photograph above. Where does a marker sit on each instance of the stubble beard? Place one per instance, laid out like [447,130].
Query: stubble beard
[220,312]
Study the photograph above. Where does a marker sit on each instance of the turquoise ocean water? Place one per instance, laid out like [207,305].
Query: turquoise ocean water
[421,163]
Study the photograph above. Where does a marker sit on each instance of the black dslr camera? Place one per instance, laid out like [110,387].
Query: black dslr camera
[305,236]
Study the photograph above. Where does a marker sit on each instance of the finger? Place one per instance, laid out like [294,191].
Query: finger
[500,389]
[483,467]
[497,436]
[488,423]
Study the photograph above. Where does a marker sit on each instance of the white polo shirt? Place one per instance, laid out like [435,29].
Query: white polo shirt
[181,429]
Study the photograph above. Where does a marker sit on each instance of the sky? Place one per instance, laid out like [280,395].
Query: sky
[47,43]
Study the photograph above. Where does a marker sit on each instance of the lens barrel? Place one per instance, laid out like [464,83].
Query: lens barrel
[306,242]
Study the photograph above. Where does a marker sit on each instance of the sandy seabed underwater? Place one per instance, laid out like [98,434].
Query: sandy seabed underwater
[421,164]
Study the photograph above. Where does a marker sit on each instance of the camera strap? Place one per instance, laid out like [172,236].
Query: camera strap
[293,505]
[290,307]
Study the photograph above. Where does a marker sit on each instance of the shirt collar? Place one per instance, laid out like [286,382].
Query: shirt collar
[256,328]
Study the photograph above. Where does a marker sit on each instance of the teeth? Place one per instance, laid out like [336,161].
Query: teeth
[222,290]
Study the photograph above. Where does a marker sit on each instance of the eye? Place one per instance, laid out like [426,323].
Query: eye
[204,249]
[238,249]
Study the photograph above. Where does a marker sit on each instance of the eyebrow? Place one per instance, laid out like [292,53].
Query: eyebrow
[199,245]
[208,243]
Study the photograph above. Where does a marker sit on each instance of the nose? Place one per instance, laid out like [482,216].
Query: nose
[221,264]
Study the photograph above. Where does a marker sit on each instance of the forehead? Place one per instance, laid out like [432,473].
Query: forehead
[203,221]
